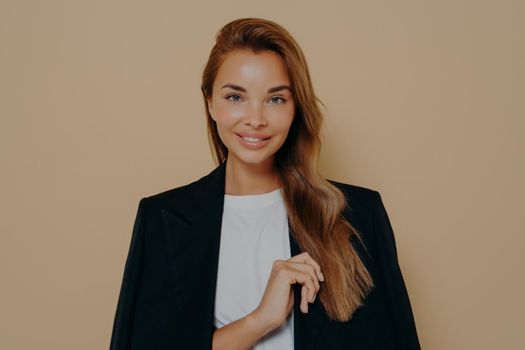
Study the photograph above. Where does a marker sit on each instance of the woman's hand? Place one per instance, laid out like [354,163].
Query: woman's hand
[278,298]
[276,303]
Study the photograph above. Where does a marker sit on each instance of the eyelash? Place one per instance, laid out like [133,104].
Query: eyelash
[282,99]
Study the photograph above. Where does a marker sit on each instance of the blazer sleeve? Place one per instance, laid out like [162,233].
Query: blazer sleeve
[125,312]
[394,286]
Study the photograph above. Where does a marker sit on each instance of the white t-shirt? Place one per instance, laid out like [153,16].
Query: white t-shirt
[254,233]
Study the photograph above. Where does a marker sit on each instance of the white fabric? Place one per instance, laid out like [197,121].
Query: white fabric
[254,233]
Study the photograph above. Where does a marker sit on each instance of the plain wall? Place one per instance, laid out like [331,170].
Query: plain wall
[100,105]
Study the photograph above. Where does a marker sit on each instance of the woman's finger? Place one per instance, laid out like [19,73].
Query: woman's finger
[304,302]
[308,289]
[307,268]
[305,258]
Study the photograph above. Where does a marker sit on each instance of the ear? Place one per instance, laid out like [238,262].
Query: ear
[210,108]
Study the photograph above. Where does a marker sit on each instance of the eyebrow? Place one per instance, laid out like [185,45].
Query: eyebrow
[270,90]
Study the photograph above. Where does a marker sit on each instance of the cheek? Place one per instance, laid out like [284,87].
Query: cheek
[228,115]
[283,119]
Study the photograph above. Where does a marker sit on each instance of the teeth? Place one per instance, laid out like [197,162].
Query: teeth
[252,139]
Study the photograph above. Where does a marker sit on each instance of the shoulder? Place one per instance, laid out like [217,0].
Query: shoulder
[361,209]
[180,193]
[353,190]
[190,193]
[358,198]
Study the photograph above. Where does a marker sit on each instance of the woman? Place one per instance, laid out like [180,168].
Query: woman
[262,252]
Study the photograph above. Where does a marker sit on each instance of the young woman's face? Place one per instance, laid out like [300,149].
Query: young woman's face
[252,105]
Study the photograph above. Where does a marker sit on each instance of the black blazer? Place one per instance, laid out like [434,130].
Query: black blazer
[168,289]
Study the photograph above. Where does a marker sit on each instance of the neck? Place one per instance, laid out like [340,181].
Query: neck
[244,179]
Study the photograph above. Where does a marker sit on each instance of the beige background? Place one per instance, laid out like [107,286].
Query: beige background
[100,105]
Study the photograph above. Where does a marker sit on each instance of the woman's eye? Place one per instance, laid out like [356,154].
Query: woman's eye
[278,100]
[236,98]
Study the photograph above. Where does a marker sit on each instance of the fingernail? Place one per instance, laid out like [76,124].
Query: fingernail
[321,277]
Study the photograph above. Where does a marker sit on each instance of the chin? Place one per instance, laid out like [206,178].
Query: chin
[252,159]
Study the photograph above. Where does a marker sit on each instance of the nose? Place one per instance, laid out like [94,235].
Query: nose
[256,123]
[256,117]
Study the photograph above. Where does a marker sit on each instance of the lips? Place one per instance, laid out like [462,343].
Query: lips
[253,141]
[253,138]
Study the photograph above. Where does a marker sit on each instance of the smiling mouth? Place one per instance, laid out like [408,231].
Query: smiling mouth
[253,139]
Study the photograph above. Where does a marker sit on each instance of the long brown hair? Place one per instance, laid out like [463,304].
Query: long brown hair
[317,224]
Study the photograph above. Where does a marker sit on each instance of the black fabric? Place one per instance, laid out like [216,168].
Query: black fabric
[167,295]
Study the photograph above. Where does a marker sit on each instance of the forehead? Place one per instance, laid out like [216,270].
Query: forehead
[245,66]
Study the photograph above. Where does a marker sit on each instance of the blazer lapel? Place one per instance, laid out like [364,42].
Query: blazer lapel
[192,226]
[307,327]
[198,253]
